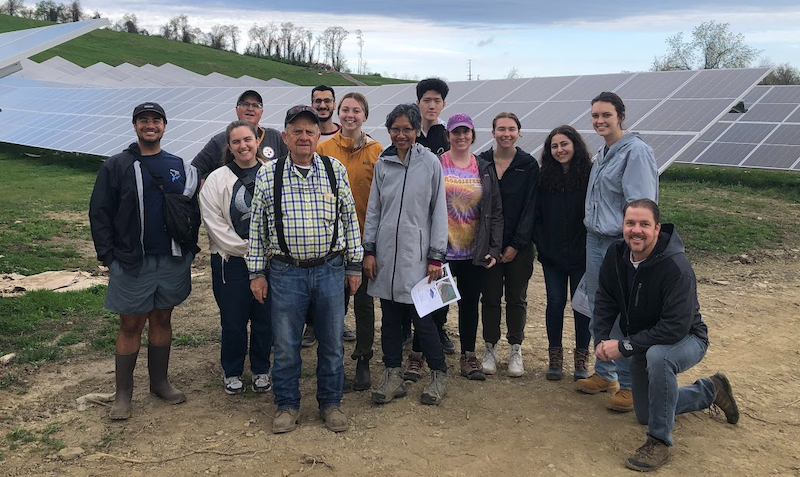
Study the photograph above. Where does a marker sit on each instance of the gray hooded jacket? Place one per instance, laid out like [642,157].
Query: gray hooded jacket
[625,173]
[406,221]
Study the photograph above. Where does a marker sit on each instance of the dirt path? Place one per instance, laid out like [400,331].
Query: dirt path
[503,426]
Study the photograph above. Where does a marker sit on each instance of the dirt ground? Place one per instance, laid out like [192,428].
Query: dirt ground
[503,426]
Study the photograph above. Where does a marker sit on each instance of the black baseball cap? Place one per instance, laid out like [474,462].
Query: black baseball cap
[152,107]
[296,111]
[247,93]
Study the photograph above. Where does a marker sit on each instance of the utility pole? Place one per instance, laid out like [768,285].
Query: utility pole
[469,70]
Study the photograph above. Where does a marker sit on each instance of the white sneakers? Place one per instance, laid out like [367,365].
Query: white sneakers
[515,366]
[489,359]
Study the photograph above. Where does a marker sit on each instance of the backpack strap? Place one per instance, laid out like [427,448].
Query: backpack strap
[249,182]
[159,181]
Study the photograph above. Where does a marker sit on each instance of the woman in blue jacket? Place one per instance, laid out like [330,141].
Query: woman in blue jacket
[560,238]
[624,170]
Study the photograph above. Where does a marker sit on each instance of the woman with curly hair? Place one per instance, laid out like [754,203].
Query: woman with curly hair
[560,238]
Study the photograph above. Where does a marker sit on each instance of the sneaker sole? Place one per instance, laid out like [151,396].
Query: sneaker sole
[261,390]
[429,400]
[515,375]
[378,398]
[475,376]
[233,392]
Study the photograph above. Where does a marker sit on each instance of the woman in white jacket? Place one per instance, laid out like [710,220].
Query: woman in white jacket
[225,205]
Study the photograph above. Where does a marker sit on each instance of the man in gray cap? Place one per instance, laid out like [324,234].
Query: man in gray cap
[149,270]
[249,107]
[304,226]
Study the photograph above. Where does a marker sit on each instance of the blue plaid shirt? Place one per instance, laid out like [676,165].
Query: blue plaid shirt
[309,212]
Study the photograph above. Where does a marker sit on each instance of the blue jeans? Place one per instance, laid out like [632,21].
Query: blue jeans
[231,284]
[556,280]
[295,291]
[393,314]
[657,399]
[619,369]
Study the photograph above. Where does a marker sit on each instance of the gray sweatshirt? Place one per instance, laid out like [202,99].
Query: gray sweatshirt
[625,173]
[406,221]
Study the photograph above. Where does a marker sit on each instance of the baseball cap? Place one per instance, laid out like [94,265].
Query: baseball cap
[153,107]
[457,120]
[247,93]
[296,111]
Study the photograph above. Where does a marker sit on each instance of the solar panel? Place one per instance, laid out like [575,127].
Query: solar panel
[667,108]
[22,44]
[766,136]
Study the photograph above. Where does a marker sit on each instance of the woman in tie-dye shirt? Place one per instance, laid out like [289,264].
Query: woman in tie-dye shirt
[475,230]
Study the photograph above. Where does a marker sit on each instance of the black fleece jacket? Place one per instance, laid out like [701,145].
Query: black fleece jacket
[658,302]
[518,192]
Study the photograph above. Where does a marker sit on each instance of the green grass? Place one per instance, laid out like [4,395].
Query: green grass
[19,437]
[41,325]
[189,340]
[731,211]
[115,48]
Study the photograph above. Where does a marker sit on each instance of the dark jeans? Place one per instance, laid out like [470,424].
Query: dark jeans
[392,335]
[364,310]
[513,277]
[230,282]
[439,318]
[469,278]
[555,282]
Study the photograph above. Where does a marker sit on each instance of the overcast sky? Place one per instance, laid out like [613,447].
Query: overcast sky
[416,39]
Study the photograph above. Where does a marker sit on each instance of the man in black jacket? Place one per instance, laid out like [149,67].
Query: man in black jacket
[647,279]
[149,271]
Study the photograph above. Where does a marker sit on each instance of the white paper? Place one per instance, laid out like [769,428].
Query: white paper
[429,297]
[580,300]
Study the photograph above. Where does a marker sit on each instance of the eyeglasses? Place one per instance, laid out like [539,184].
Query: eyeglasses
[146,121]
[405,131]
[247,104]
[319,101]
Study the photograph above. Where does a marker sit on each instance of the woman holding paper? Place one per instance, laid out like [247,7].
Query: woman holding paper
[474,231]
[405,239]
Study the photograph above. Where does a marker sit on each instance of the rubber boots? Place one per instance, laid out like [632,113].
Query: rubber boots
[124,365]
[362,380]
[157,364]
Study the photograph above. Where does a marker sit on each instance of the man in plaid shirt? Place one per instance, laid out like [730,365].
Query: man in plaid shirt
[308,244]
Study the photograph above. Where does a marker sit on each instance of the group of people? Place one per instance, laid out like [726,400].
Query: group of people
[300,220]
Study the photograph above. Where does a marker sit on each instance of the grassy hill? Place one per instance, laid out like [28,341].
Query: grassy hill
[115,48]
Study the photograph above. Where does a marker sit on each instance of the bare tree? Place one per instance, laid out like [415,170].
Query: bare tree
[712,46]
[234,35]
[333,39]
[217,37]
[13,7]
[310,42]
[513,73]
[128,23]
[48,10]
[782,74]
[286,39]
[75,11]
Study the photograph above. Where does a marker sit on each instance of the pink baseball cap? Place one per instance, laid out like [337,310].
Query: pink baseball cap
[457,120]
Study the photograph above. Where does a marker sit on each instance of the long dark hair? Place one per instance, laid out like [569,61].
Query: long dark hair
[552,177]
[227,155]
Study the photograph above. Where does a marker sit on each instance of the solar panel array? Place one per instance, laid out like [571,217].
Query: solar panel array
[766,136]
[59,105]
[22,44]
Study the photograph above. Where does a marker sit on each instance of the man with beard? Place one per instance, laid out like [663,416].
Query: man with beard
[149,272]
[250,108]
[323,100]
[647,279]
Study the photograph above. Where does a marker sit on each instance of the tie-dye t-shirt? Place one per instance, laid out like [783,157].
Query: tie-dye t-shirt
[463,191]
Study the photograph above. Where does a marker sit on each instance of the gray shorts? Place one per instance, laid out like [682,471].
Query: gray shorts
[164,282]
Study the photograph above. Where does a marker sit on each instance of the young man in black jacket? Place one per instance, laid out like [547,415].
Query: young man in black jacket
[647,279]
[149,272]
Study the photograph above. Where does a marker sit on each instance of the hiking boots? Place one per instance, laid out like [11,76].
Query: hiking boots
[261,383]
[447,344]
[581,357]
[309,337]
[435,390]
[123,366]
[234,385]
[621,401]
[414,366]
[362,380]
[470,367]
[157,364]
[724,399]
[392,386]
[652,455]
[489,359]
[335,419]
[595,384]
[515,366]
[555,369]
[285,420]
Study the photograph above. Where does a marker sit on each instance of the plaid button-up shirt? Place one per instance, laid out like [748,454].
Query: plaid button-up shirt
[309,212]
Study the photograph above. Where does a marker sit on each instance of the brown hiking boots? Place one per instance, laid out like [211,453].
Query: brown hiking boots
[581,357]
[724,399]
[555,369]
[470,367]
[652,455]
[621,401]
[595,384]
